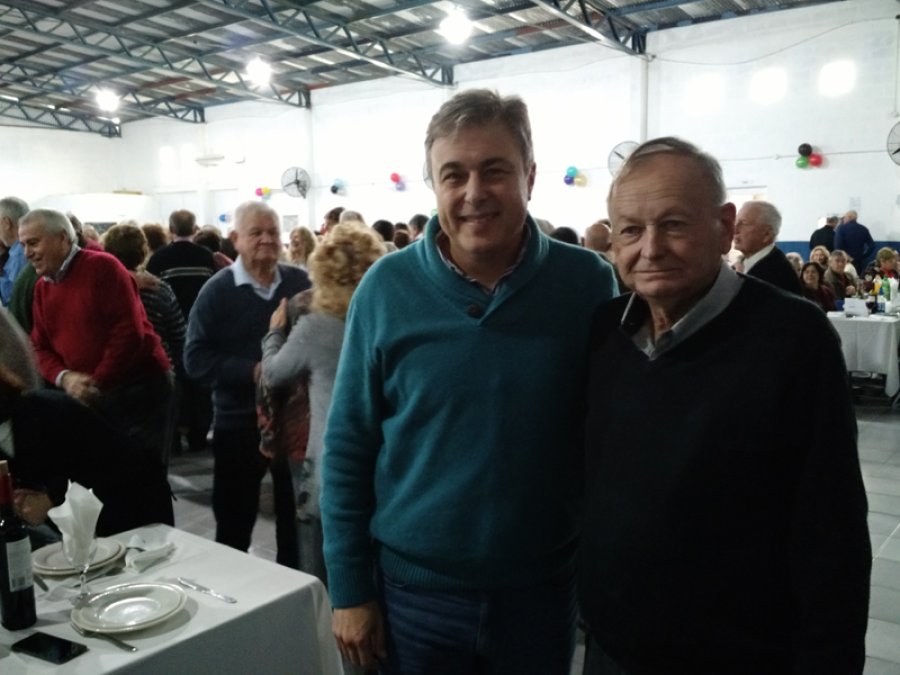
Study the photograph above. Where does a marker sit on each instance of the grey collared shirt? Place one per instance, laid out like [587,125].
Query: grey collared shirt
[441,236]
[637,322]
[242,277]
[61,274]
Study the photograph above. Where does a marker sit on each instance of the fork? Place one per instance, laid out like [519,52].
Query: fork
[106,636]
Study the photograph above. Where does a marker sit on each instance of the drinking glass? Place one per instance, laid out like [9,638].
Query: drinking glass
[80,554]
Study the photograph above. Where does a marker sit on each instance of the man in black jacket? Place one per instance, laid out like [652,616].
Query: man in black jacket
[755,232]
[725,516]
[824,236]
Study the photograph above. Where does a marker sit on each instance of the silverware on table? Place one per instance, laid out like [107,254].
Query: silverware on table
[194,586]
[104,636]
[39,580]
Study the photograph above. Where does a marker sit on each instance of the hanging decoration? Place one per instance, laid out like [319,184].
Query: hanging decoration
[263,192]
[337,187]
[574,177]
[807,157]
[397,180]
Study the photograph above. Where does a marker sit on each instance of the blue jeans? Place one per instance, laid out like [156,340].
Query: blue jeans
[519,632]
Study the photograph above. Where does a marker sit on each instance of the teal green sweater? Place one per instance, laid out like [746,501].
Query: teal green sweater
[452,451]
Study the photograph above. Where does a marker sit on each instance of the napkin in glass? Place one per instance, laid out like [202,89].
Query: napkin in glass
[77,518]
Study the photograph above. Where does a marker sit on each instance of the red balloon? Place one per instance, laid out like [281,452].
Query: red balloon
[815,159]
[395,177]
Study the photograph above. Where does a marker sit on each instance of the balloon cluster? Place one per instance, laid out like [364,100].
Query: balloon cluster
[337,187]
[807,157]
[574,177]
[223,218]
[397,180]
[263,192]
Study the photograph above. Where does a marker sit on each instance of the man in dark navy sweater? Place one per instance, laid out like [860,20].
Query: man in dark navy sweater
[725,516]
[222,348]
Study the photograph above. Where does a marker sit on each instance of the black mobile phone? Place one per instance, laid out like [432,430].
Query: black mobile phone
[49,647]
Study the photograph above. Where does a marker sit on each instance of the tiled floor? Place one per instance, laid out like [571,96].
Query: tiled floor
[879,444]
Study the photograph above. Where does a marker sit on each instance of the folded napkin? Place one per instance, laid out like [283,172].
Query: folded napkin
[142,555]
[77,518]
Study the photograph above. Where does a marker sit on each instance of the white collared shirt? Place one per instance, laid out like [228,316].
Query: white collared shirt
[242,277]
[60,275]
[751,260]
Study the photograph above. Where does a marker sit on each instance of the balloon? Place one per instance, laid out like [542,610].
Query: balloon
[339,184]
[580,180]
[400,185]
[815,159]
[568,180]
[259,192]
[266,190]
[222,217]
[802,162]
[571,172]
[395,177]
[805,150]
[334,189]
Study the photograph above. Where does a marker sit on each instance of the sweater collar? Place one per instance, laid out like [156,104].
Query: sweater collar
[64,268]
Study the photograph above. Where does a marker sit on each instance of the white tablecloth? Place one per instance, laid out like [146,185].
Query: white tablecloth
[870,344]
[280,624]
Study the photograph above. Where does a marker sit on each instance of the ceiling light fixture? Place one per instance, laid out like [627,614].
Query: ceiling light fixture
[259,72]
[107,100]
[456,28]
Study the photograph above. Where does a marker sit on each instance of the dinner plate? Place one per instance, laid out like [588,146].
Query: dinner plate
[129,607]
[50,560]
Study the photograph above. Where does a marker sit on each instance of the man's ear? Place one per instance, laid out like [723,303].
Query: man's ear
[727,218]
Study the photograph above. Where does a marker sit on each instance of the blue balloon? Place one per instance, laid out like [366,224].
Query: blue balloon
[568,179]
[572,171]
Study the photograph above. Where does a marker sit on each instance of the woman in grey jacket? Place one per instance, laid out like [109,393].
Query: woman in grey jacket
[308,352]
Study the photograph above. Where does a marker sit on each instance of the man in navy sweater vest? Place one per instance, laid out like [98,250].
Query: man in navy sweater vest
[725,516]
[452,451]
[222,348]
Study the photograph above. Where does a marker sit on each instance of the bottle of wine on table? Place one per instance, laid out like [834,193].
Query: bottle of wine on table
[16,580]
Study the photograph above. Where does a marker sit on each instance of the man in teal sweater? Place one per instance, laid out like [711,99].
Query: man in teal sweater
[452,457]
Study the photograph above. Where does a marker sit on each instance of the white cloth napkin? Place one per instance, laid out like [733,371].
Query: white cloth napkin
[77,518]
[142,555]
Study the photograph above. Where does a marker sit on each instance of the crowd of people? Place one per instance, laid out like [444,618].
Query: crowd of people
[479,427]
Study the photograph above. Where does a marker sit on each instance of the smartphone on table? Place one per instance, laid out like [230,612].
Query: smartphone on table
[49,647]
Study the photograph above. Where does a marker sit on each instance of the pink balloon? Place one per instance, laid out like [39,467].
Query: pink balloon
[259,192]
[395,177]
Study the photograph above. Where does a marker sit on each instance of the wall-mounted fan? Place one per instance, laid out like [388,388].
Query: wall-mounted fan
[295,181]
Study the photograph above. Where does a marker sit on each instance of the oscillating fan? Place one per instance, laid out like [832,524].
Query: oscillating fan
[295,181]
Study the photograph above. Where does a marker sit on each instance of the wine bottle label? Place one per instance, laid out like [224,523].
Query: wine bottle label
[18,557]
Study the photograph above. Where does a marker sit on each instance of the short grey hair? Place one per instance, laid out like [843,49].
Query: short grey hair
[251,209]
[54,222]
[769,215]
[838,254]
[675,147]
[13,208]
[480,107]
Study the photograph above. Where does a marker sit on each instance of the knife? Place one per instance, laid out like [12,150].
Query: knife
[194,586]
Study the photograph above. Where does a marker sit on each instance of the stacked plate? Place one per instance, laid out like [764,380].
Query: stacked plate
[50,561]
[129,607]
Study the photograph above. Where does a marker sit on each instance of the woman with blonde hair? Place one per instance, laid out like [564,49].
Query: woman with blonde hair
[301,246]
[307,356]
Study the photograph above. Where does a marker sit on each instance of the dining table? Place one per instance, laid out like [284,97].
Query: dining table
[870,345]
[279,620]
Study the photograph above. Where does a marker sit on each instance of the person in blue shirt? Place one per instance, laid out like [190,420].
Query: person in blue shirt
[452,458]
[854,238]
[11,210]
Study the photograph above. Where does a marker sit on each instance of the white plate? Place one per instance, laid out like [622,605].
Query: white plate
[50,560]
[129,607]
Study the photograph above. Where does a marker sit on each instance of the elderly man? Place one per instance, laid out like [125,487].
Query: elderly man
[843,282]
[725,516]
[854,238]
[11,210]
[452,459]
[755,232]
[91,335]
[228,321]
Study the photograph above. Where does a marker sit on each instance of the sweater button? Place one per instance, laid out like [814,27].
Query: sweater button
[474,311]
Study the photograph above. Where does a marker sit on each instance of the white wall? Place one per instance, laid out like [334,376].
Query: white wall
[583,100]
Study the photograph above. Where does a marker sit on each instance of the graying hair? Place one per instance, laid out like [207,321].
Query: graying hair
[13,208]
[251,209]
[768,214]
[54,222]
[708,164]
[480,107]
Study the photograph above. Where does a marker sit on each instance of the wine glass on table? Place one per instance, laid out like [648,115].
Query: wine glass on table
[80,554]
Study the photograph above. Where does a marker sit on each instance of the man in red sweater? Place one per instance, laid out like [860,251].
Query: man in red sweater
[91,335]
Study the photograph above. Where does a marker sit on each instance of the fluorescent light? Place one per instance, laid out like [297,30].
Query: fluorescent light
[768,86]
[259,72]
[9,98]
[107,100]
[837,78]
[456,28]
